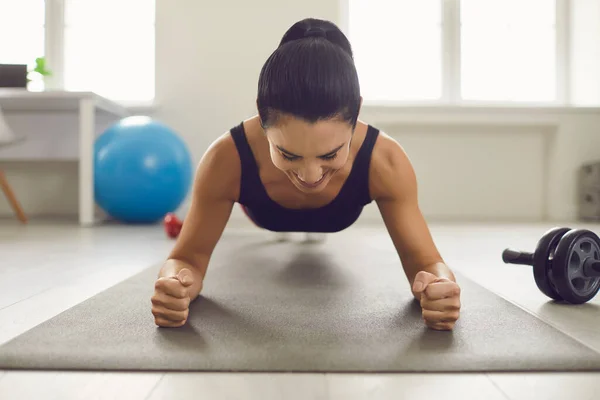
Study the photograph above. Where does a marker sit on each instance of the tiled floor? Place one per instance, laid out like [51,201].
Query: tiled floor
[46,268]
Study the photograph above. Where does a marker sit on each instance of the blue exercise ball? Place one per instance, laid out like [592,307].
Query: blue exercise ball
[142,170]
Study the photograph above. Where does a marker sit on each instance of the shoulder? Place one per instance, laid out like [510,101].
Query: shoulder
[221,152]
[219,170]
[391,175]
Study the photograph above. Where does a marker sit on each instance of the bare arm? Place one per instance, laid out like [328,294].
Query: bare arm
[214,192]
[394,189]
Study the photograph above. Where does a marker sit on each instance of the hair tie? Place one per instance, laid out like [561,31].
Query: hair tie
[315,31]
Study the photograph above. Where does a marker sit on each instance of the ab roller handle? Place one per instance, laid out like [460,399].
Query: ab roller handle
[510,256]
[591,267]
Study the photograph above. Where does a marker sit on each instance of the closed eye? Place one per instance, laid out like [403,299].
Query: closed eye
[289,158]
[286,155]
[329,157]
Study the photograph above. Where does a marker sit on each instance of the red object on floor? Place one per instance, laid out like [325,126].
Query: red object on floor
[172,225]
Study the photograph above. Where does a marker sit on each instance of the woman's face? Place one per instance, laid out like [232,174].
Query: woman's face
[309,154]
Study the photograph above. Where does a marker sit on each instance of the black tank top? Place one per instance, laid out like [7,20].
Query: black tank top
[335,216]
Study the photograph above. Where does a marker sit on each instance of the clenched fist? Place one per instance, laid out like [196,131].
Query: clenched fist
[171,299]
[439,298]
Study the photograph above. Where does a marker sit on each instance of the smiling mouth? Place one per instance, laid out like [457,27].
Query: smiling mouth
[310,185]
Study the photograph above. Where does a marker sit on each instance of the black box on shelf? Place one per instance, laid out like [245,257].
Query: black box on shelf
[13,76]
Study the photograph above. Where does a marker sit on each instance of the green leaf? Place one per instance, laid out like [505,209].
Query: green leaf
[40,67]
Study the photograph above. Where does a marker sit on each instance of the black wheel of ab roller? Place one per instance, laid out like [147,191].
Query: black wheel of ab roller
[541,260]
[576,266]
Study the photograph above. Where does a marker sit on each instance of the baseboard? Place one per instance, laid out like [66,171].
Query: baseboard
[370,217]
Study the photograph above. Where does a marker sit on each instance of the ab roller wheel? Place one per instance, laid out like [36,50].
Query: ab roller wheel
[566,264]
[576,266]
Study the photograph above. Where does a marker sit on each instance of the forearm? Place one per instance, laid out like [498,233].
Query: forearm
[172,267]
[441,270]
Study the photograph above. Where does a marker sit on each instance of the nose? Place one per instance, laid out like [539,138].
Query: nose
[311,174]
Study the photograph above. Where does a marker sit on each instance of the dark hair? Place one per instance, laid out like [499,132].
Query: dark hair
[311,75]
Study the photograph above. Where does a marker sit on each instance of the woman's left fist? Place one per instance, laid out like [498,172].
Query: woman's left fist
[440,300]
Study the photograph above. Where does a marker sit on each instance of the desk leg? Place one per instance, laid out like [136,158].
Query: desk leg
[87,130]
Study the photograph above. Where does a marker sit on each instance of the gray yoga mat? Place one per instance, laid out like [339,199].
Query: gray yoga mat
[340,306]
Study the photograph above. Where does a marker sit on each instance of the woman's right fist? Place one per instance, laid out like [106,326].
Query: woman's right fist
[171,299]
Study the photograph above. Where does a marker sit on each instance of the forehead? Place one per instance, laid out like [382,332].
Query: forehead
[301,136]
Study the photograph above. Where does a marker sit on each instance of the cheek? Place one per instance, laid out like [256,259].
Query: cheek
[339,162]
[281,165]
[279,162]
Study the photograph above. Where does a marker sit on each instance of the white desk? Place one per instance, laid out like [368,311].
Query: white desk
[87,105]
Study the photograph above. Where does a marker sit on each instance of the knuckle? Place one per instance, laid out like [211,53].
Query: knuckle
[444,326]
[420,274]
[453,316]
[432,325]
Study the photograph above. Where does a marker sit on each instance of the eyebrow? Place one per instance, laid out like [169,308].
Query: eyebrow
[323,155]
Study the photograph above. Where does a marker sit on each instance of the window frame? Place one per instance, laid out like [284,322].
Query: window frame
[451,54]
[451,59]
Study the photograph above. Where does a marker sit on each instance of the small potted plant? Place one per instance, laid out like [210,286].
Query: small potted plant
[36,76]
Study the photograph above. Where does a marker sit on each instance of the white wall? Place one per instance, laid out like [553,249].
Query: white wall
[495,163]
[469,171]
[209,59]
[472,163]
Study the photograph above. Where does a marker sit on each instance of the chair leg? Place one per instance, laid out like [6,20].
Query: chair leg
[12,199]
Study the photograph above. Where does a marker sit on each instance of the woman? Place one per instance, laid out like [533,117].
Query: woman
[306,163]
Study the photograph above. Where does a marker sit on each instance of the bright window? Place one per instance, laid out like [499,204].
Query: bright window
[398,48]
[508,50]
[109,48]
[451,50]
[21,31]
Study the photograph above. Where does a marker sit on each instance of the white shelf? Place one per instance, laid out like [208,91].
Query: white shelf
[47,137]
[23,100]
